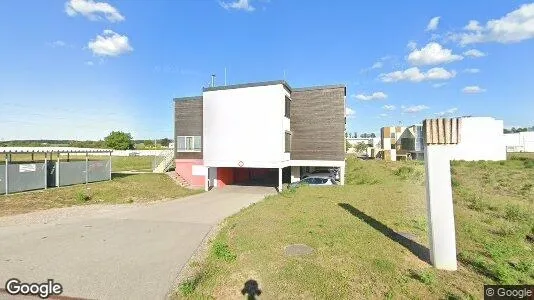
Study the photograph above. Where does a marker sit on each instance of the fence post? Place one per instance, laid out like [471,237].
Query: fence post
[110,165]
[58,168]
[7,164]
[86,167]
[46,170]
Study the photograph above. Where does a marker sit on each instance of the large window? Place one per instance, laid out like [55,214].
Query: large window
[288,107]
[288,142]
[189,143]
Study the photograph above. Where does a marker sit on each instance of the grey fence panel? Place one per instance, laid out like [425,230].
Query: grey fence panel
[25,177]
[99,170]
[2,179]
[71,173]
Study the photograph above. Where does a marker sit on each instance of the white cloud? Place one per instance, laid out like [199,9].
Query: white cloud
[449,111]
[432,54]
[349,112]
[58,43]
[389,107]
[514,27]
[383,115]
[415,108]
[473,89]
[110,43]
[373,96]
[238,5]
[433,24]
[93,10]
[472,71]
[411,45]
[89,63]
[473,25]
[438,85]
[415,75]
[377,65]
[474,53]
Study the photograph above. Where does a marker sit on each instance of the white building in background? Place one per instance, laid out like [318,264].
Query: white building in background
[519,142]
[373,142]
[480,138]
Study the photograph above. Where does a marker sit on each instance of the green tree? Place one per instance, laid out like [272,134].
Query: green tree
[361,147]
[118,140]
[165,142]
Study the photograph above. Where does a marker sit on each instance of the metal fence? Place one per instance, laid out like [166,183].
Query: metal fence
[34,176]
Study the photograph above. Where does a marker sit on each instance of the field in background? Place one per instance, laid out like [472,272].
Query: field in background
[370,237]
[118,163]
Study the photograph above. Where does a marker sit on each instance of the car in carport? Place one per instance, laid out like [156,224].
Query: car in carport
[314,180]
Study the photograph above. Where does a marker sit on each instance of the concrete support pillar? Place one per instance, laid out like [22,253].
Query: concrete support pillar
[342,175]
[207,179]
[441,228]
[279,180]
[295,174]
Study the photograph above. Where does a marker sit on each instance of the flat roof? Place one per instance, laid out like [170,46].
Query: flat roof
[188,98]
[246,85]
[11,150]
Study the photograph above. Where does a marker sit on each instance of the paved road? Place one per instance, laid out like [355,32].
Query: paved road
[115,252]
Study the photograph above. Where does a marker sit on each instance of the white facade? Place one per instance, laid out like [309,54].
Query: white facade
[245,127]
[519,142]
[481,138]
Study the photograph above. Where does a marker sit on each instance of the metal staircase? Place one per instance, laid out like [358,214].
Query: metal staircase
[163,161]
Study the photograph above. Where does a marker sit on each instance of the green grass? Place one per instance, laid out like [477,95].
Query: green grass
[118,163]
[124,188]
[354,230]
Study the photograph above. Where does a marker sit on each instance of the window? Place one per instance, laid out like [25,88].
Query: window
[393,135]
[288,142]
[288,107]
[189,143]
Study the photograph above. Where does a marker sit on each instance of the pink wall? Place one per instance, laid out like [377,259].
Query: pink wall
[184,168]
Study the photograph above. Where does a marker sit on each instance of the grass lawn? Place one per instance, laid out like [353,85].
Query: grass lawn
[118,163]
[124,188]
[370,237]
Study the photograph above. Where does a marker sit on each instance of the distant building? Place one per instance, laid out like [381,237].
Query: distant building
[389,137]
[373,142]
[411,142]
[519,142]
[482,138]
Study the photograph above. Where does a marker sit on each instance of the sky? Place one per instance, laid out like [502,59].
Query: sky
[79,69]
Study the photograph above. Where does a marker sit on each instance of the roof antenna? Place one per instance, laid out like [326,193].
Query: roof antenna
[212,80]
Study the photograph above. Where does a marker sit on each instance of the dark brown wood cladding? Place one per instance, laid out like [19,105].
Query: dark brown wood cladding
[318,124]
[188,122]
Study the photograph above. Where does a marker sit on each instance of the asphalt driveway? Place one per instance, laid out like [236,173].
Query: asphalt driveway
[115,252]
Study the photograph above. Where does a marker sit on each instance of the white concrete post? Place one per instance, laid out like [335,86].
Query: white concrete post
[295,173]
[441,228]
[207,181]
[342,175]
[279,180]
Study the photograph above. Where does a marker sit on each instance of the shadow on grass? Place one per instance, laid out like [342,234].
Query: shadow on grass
[121,175]
[417,249]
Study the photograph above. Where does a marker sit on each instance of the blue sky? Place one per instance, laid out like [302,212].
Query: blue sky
[79,69]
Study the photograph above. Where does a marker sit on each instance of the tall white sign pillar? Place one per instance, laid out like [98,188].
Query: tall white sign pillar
[441,137]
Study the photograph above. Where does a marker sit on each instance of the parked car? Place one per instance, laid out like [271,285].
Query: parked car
[315,180]
[332,172]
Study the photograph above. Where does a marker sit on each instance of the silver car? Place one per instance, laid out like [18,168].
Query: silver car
[315,180]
